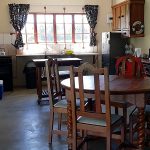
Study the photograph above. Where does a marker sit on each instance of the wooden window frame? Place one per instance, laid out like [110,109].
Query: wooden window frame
[55,29]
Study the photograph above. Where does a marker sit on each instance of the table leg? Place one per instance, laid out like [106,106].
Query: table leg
[141,128]
[39,83]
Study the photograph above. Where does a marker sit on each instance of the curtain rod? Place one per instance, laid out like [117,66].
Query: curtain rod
[55,5]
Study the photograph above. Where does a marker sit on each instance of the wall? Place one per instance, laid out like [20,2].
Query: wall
[56,6]
[75,5]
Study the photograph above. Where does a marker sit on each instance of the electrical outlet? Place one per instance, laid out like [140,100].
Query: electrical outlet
[109,18]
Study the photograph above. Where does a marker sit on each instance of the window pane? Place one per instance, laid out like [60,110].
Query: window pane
[41,37]
[86,28]
[68,38]
[60,38]
[30,38]
[86,38]
[50,33]
[49,18]
[68,19]
[59,19]
[78,18]
[30,18]
[60,28]
[78,37]
[41,28]
[41,32]
[68,28]
[23,30]
[85,19]
[24,38]
[49,28]
[40,18]
[78,28]
[30,28]
[50,38]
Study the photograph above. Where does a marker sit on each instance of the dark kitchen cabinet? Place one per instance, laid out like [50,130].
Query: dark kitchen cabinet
[6,72]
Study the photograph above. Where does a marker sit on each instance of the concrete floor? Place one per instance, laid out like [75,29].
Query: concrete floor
[24,124]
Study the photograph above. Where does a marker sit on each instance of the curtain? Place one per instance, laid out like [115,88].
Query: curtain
[91,14]
[18,17]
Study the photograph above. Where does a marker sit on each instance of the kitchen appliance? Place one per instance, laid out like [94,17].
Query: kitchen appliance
[113,46]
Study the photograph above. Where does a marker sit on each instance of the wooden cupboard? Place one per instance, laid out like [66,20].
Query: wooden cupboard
[128,17]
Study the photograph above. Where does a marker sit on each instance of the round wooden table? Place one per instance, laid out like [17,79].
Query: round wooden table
[131,90]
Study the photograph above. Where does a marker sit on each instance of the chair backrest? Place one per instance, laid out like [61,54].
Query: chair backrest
[129,66]
[53,81]
[97,82]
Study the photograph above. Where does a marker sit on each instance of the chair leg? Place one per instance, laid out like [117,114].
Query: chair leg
[108,141]
[59,120]
[131,130]
[51,123]
[125,120]
[116,110]
[122,133]
[85,145]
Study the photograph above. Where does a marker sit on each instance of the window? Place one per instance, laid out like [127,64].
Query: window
[56,28]
[29,32]
[82,29]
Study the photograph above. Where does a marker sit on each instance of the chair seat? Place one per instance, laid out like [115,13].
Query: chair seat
[63,103]
[64,74]
[98,122]
[147,110]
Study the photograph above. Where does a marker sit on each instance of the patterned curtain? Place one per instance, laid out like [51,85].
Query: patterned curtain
[91,14]
[18,16]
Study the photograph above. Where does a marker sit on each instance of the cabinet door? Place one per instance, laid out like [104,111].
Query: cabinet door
[125,21]
[137,19]
[123,17]
[116,18]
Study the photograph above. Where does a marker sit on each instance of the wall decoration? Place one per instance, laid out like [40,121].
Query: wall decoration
[138,27]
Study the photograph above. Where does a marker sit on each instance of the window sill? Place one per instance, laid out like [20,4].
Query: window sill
[55,54]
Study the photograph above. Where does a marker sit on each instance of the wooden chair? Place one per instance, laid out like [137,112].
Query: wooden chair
[133,124]
[57,103]
[132,67]
[128,67]
[93,122]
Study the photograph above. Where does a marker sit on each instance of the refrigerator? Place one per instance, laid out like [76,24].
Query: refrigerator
[113,47]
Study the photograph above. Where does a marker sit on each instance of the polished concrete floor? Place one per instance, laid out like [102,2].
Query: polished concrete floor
[24,124]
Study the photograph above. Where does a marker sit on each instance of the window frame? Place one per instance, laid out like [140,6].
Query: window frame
[55,29]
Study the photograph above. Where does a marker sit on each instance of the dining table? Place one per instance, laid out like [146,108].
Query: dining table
[132,90]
